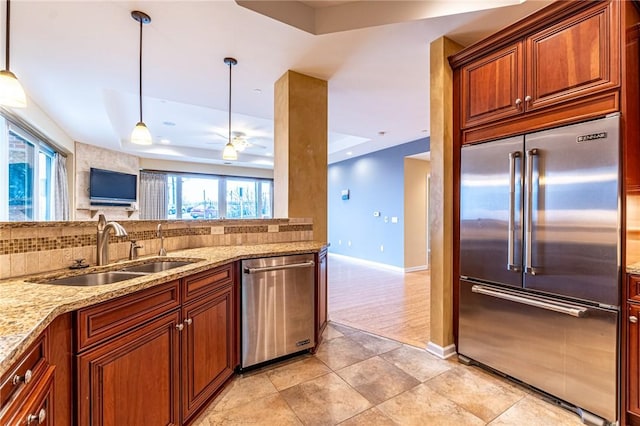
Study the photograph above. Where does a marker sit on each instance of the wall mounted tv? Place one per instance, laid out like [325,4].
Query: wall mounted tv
[109,188]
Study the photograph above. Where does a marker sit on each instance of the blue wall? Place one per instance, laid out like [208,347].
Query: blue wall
[376,183]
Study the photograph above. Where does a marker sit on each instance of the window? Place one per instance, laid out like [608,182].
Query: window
[29,192]
[213,197]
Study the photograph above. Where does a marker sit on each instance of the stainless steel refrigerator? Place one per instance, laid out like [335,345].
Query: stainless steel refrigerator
[540,261]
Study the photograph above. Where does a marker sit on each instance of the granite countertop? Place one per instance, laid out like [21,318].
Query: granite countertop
[634,268]
[28,308]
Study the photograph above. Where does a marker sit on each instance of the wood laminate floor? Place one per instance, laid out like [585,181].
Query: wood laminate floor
[379,300]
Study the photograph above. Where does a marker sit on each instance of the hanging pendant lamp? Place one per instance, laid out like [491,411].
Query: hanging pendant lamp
[11,91]
[140,134]
[229,152]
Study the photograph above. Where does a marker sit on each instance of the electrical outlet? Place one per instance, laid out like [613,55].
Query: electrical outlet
[376,214]
[217,230]
[394,219]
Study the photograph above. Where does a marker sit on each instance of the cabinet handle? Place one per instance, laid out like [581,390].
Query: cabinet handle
[633,319]
[179,327]
[188,321]
[518,101]
[39,418]
[26,378]
[527,99]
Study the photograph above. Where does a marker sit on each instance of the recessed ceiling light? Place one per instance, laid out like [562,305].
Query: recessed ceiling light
[424,130]
[382,133]
[257,91]
[349,153]
[169,123]
[227,163]
[165,141]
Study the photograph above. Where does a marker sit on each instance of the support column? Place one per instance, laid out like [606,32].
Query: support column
[300,150]
[441,341]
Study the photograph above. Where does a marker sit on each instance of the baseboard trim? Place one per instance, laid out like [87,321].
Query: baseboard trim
[368,262]
[417,268]
[440,352]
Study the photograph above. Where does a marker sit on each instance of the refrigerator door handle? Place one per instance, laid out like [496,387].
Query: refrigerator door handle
[563,308]
[528,222]
[511,266]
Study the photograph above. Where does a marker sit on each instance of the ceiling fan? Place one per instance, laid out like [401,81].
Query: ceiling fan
[240,141]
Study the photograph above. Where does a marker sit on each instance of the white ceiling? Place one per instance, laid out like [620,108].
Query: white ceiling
[78,60]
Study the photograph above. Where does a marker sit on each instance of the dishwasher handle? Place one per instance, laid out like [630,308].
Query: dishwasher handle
[279,267]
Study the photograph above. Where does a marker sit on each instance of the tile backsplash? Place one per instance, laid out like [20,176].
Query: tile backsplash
[36,247]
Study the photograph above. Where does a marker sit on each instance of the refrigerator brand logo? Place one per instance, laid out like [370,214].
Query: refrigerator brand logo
[591,137]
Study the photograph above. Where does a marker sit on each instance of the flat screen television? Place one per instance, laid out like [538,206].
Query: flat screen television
[109,188]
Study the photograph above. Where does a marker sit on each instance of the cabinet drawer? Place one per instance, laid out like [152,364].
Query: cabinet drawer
[38,407]
[108,319]
[205,282]
[633,287]
[26,371]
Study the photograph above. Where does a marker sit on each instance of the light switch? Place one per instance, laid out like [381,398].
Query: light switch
[394,219]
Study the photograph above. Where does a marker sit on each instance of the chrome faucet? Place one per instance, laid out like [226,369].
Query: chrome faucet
[162,251]
[133,249]
[102,239]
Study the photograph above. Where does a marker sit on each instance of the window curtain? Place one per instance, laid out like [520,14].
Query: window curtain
[153,195]
[60,188]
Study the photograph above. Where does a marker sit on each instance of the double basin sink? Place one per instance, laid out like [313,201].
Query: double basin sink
[122,274]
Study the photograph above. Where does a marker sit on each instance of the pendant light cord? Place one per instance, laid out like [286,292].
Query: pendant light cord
[230,65]
[6,38]
[140,75]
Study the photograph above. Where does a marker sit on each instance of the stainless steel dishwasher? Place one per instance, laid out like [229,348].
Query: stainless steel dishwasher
[278,307]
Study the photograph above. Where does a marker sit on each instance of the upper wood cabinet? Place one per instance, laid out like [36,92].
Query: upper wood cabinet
[576,57]
[561,62]
[492,87]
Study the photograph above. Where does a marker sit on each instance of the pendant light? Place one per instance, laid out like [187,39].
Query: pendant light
[140,134]
[11,91]
[229,152]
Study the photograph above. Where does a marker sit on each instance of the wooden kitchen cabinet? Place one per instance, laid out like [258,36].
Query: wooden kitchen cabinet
[493,86]
[25,381]
[564,61]
[208,350]
[38,407]
[633,365]
[158,355]
[133,379]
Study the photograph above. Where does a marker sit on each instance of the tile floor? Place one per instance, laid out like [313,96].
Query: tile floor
[357,378]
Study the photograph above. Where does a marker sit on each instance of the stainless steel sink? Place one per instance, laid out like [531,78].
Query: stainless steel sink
[95,278]
[157,266]
[110,277]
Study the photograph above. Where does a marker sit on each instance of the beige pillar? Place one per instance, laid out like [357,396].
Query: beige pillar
[441,198]
[300,153]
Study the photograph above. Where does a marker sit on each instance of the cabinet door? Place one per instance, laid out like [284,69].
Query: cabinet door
[576,57]
[208,347]
[633,364]
[492,87]
[132,380]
